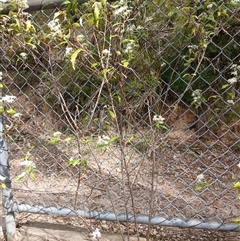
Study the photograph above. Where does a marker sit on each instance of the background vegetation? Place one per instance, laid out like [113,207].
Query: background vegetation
[134,58]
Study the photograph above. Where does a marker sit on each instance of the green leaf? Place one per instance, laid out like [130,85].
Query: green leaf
[224,86]
[32,176]
[94,65]
[11,111]
[170,14]
[26,158]
[129,140]
[3,185]
[74,56]
[96,13]
[20,177]
[53,140]
[206,184]
[1,109]
[103,2]
[236,185]
[224,13]
[18,24]
[74,162]
[75,25]
[198,187]
[85,165]
[186,75]
[113,139]
[29,26]
[66,2]
[236,220]
[187,9]
[125,63]
[164,127]
[59,13]
[1,85]
[111,113]
[214,97]
[127,40]
[102,145]
[68,139]
[86,141]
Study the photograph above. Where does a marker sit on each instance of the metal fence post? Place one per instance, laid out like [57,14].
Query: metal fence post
[6,192]
[37,5]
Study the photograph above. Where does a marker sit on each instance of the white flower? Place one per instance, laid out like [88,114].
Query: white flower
[23,4]
[27,164]
[26,14]
[140,27]
[130,46]
[17,115]
[55,26]
[96,233]
[148,19]
[23,55]
[81,22]
[57,133]
[197,93]
[159,119]
[192,46]
[120,10]
[230,102]
[103,139]
[2,178]
[233,66]
[200,178]
[80,38]
[238,164]
[1,75]
[163,64]
[235,1]
[130,28]
[234,73]
[232,80]
[68,51]
[209,6]
[9,98]
[106,52]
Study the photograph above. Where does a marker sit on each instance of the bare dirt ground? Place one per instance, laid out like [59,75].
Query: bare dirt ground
[67,229]
[105,182]
[103,186]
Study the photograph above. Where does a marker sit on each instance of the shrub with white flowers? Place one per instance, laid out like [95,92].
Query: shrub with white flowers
[201,182]
[198,98]
[159,122]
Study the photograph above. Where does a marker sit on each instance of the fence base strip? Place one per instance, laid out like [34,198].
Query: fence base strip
[142,219]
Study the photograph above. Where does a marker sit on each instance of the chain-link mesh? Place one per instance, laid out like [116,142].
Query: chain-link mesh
[159,138]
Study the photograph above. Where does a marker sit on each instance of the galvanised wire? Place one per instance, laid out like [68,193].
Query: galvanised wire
[184,172]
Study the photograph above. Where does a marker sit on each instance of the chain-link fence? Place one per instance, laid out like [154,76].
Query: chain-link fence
[125,111]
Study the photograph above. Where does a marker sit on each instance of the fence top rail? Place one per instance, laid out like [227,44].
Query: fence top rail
[36,5]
